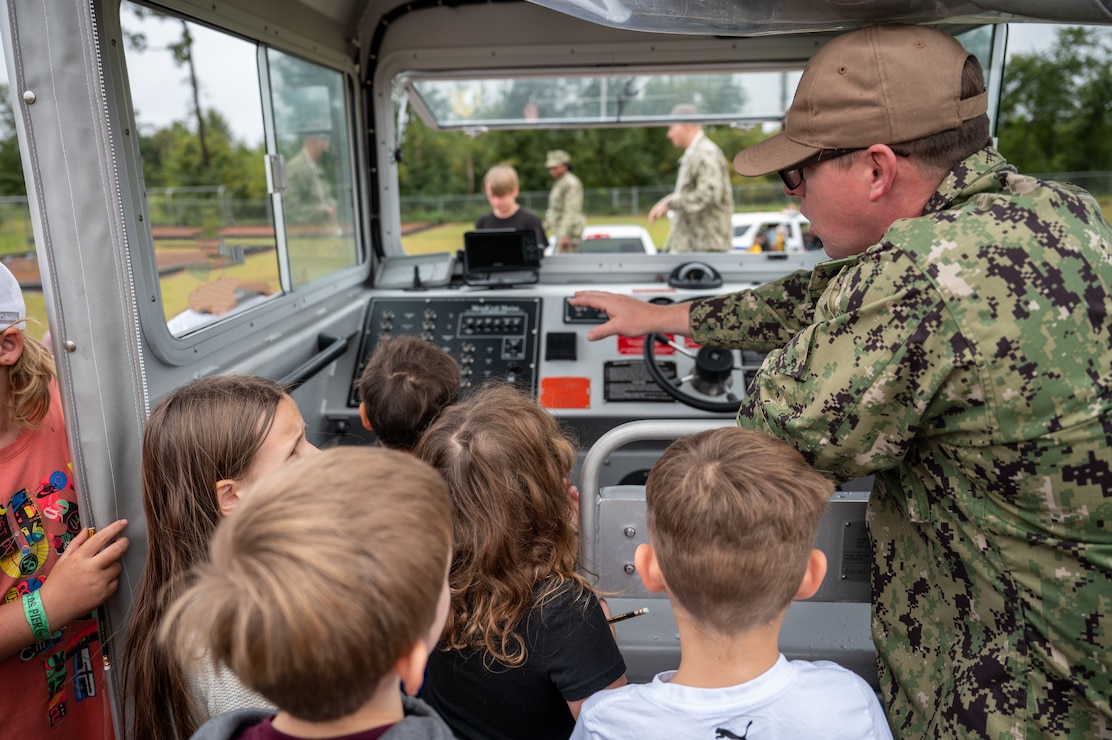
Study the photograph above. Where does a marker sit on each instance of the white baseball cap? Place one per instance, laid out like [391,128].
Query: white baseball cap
[12,307]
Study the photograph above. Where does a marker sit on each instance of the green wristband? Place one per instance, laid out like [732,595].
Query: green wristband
[36,615]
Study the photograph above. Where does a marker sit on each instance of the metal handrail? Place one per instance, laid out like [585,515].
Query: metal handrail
[620,436]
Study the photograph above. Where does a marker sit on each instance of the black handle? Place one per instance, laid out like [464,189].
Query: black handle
[329,349]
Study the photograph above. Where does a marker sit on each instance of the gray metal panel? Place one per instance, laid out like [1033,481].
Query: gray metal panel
[842,537]
[67,141]
[68,147]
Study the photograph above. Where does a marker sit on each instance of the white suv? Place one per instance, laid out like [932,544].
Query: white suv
[773,231]
[612,238]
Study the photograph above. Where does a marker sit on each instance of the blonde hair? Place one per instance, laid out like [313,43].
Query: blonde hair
[506,462]
[203,432]
[323,577]
[29,382]
[732,516]
[500,179]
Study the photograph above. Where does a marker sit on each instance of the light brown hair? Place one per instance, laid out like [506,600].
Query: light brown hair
[29,382]
[407,382]
[501,179]
[321,579]
[732,517]
[506,462]
[201,433]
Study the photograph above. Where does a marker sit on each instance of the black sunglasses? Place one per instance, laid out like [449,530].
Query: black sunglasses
[793,176]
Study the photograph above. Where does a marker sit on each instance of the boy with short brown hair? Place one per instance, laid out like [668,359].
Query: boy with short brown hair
[732,521]
[326,625]
[406,384]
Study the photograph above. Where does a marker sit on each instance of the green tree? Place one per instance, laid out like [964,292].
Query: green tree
[1055,109]
[11,165]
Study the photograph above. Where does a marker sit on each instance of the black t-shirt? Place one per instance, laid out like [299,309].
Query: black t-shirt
[571,655]
[522,219]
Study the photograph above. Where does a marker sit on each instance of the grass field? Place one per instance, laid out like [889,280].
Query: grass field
[441,238]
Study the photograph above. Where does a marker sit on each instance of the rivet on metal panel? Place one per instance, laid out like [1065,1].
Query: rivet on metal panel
[628,568]
[69,345]
[28,97]
[630,532]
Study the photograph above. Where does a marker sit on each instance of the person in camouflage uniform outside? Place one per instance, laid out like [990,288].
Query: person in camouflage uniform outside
[564,218]
[958,348]
[703,200]
[308,197]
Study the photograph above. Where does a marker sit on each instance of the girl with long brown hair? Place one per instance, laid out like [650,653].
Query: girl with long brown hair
[203,445]
[526,640]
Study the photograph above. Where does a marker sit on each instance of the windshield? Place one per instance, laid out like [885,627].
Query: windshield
[613,124]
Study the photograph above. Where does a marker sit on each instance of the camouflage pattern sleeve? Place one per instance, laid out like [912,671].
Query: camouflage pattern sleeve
[761,319]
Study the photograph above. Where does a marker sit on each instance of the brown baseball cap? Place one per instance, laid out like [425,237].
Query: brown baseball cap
[876,85]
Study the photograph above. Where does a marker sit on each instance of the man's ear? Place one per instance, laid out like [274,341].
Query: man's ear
[228,493]
[363,416]
[411,667]
[812,577]
[883,162]
[11,345]
[644,559]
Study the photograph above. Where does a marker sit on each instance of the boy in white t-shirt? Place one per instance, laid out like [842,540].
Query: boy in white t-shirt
[732,520]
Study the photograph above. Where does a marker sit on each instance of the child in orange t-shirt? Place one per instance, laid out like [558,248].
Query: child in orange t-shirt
[51,662]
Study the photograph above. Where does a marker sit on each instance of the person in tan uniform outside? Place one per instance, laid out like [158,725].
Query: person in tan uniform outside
[703,200]
[564,219]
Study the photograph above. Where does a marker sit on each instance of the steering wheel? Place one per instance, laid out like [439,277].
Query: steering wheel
[713,376]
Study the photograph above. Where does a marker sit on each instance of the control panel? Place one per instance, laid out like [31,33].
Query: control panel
[488,337]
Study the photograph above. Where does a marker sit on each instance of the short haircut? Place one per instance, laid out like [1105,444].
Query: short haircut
[732,516]
[321,579]
[406,384]
[500,179]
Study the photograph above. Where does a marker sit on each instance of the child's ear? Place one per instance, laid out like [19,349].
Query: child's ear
[363,416]
[644,559]
[228,493]
[812,577]
[11,345]
[411,667]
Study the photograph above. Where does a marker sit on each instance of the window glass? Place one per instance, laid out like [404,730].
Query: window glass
[224,239]
[198,110]
[613,125]
[478,104]
[312,134]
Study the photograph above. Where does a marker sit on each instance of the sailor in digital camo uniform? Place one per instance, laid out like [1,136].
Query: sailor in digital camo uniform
[702,203]
[959,347]
[564,218]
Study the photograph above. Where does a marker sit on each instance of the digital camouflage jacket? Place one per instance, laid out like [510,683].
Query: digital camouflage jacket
[966,361]
[703,202]
[565,210]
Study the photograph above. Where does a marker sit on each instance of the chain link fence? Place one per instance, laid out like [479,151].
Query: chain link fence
[210,208]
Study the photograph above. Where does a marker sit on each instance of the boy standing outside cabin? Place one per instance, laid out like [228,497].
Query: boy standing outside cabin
[405,385]
[732,521]
[501,188]
[326,626]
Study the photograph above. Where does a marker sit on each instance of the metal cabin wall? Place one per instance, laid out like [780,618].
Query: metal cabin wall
[67,142]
